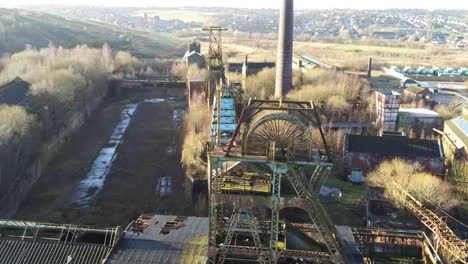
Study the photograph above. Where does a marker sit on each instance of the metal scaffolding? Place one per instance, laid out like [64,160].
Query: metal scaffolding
[215,62]
[246,179]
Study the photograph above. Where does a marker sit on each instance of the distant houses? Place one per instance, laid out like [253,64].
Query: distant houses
[383,35]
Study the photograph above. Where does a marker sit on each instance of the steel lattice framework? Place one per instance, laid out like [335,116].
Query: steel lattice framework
[215,61]
[276,145]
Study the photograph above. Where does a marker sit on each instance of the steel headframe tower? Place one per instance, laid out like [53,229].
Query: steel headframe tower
[215,62]
[285,49]
[245,185]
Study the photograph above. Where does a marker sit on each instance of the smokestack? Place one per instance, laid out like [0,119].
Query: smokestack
[285,49]
[369,68]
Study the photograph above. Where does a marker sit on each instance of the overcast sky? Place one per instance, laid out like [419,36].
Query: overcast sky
[299,4]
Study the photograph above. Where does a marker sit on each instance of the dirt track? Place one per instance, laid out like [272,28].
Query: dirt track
[150,150]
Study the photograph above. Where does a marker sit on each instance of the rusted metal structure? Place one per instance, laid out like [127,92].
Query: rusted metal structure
[391,241]
[32,242]
[214,62]
[247,180]
[451,247]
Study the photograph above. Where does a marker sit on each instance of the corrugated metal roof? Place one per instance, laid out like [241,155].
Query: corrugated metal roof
[29,242]
[29,251]
[187,244]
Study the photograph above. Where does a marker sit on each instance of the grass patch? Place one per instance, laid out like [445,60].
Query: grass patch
[380,80]
[357,47]
[349,208]
[206,18]
[23,28]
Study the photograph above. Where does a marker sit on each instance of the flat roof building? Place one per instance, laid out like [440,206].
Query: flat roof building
[164,239]
[456,131]
[419,120]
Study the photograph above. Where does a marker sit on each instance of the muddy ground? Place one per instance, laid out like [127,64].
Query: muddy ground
[150,150]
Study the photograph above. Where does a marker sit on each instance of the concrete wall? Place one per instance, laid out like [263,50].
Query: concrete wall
[11,200]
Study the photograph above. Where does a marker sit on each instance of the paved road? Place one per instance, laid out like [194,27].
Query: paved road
[445,85]
[464,96]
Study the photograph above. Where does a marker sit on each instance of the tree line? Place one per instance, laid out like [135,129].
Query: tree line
[63,83]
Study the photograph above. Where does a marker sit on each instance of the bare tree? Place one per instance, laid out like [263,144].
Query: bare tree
[399,177]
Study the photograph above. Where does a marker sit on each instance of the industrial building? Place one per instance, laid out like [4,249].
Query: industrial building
[15,92]
[365,153]
[392,118]
[262,164]
[419,120]
[193,55]
[387,107]
[248,68]
[163,239]
[456,131]
[416,92]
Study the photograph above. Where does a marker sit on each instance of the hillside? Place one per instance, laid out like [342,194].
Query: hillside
[19,28]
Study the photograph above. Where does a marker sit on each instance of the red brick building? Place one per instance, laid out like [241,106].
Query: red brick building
[365,153]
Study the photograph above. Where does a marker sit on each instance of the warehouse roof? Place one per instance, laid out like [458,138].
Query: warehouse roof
[395,146]
[163,239]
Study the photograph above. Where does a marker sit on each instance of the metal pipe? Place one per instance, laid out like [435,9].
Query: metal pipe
[285,49]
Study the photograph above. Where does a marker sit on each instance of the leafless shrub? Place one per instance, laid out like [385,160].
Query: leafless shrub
[399,177]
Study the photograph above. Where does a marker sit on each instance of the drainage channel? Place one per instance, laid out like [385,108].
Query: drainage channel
[92,184]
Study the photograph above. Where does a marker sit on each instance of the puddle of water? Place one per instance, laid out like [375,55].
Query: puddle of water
[90,186]
[96,176]
[154,100]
